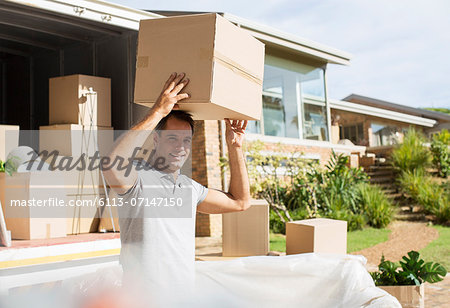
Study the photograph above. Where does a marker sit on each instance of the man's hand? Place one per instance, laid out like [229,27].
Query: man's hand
[122,179]
[169,95]
[238,196]
[234,133]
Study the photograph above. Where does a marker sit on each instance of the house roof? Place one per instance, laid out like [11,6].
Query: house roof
[279,40]
[381,113]
[50,24]
[419,112]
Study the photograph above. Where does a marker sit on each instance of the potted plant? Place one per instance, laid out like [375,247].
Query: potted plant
[7,167]
[405,279]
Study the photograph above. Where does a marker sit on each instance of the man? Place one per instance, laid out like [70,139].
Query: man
[158,240]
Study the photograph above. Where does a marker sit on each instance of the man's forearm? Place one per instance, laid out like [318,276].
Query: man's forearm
[239,182]
[125,148]
[136,136]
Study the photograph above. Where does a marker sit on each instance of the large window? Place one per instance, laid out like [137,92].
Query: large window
[314,106]
[313,84]
[354,133]
[290,89]
[315,122]
[384,134]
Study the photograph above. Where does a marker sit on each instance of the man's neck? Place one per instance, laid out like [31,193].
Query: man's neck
[174,173]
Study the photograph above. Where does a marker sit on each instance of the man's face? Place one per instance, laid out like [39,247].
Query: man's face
[173,144]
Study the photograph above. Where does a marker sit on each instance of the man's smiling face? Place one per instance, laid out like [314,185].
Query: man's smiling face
[173,144]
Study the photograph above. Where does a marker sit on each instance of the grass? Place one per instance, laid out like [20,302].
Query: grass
[356,240]
[439,249]
[368,237]
[277,242]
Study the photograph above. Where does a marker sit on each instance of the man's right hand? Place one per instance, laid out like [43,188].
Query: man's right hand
[169,95]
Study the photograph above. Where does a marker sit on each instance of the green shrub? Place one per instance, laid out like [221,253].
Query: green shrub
[338,210]
[411,154]
[354,221]
[376,206]
[324,187]
[275,223]
[410,181]
[441,153]
[434,198]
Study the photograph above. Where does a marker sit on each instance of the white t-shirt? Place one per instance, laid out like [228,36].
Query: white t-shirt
[157,229]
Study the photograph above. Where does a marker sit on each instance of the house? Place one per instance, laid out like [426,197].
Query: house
[378,124]
[44,39]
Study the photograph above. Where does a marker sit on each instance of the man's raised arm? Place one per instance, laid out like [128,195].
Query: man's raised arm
[131,141]
[238,196]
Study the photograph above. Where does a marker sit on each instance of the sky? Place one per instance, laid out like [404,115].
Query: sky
[400,49]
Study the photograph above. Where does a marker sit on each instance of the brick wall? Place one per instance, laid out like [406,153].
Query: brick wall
[206,170]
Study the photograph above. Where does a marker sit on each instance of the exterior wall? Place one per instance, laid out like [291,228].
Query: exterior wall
[322,154]
[350,118]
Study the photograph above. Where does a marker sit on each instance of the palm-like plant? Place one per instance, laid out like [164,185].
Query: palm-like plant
[411,271]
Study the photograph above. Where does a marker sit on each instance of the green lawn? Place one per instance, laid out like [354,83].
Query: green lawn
[368,237]
[277,242]
[439,249]
[356,240]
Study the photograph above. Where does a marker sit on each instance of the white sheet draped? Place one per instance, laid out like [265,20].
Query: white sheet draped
[303,280]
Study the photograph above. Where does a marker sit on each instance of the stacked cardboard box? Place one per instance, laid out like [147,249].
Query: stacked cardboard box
[80,129]
[9,139]
[225,65]
[80,99]
[29,203]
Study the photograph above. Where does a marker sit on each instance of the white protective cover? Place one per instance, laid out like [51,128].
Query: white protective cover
[303,280]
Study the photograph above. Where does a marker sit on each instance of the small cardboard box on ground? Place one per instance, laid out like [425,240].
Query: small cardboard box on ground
[73,139]
[224,63]
[316,235]
[29,220]
[246,233]
[9,139]
[71,102]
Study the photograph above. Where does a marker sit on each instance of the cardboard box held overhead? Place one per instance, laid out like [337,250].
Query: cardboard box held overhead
[224,63]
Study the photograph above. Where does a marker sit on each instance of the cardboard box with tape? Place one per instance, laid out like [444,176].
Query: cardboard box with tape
[72,102]
[224,63]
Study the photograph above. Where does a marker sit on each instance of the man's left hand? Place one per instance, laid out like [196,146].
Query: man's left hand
[235,131]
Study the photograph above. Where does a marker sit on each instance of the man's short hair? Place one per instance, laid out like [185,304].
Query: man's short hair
[177,114]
